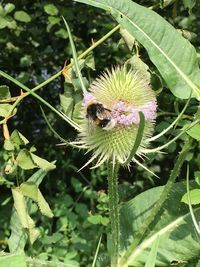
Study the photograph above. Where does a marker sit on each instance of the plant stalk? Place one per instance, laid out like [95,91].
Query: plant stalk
[139,236]
[114,213]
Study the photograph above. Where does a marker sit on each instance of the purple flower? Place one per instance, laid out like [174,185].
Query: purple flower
[127,114]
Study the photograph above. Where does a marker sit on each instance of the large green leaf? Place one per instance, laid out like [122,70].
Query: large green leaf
[13,260]
[32,191]
[177,238]
[22,16]
[18,236]
[22,211]
[172,54]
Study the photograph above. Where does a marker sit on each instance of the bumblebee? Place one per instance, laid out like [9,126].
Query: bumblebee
[100,115]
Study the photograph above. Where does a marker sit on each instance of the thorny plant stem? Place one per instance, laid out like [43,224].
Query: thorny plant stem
[114,212]
[85,53]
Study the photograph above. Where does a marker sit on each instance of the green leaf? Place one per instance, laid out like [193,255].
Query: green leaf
[47,240]
[42,163]
[20,206]
[194,197]
[105,221]
[77,111]
[30,189]
[173,224]
[25,161]
[89,61]
[194,132]
[151,261]
[25,219]
[138,65]
[4,92]
[51,9]
[5,110]
[9,8]
[173,55]
[2,12]
[18,139]
[26,61]
[8,145]
[98,219]
[189,3]
[18,237]
[38,176]
[22,16]
[53,20]
[197,177]
[62,33]
[10,166]
[67,104]
[95,219]
[12,25]
[3,23]
[128,38]
[13,260]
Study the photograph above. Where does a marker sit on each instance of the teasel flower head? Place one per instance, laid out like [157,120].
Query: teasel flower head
[118,95]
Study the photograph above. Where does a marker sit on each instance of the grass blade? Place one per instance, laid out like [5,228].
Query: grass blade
[78,72]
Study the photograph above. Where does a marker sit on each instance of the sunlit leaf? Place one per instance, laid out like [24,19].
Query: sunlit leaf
[194,132]
[31,190]
[10,166]
[9,8]
[51,9]
[25,160]
[173,224]
[18,139]
[44,206]
[53,20]
[42,163]
[25,219]
[13,260]
[197,177]
[128,38]
[18,237]
[5,110]
[22,16]
[151,260]
[173,55]
[20,206]
[3,23]
[194,197]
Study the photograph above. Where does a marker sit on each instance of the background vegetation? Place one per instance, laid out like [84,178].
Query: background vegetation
[34,45]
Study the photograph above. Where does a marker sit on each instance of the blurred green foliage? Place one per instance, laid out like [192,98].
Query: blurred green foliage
[33,46]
